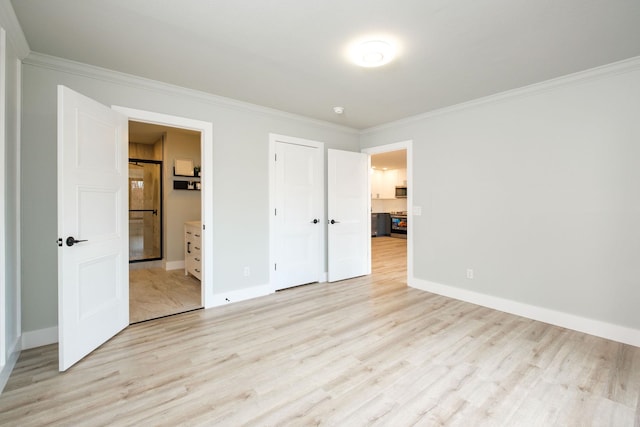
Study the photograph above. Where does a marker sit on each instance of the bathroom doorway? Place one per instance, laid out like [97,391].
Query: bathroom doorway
[159,207]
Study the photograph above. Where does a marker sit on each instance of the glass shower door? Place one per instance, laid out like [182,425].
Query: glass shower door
[145,210]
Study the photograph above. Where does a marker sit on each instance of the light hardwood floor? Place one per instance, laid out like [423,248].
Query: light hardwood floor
[366,351]
[154,293]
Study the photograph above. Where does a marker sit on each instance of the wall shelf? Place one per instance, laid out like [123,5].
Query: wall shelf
[191,185]
[196,174]
[184,185]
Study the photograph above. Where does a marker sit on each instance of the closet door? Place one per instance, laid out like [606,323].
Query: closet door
[298,212]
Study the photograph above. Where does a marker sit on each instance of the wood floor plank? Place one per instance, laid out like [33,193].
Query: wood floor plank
[365,351]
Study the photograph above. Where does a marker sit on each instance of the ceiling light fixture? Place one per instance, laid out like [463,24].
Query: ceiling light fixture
[372,53]
[338,110]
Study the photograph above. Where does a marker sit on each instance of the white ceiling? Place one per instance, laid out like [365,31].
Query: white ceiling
[289,54]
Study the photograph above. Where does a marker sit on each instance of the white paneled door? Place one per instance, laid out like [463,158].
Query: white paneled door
[298,211]
[349,237]
[93,278]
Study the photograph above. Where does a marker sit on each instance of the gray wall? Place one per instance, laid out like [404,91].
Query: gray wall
[10,169]
[240,172]
[179,205]
[538,192]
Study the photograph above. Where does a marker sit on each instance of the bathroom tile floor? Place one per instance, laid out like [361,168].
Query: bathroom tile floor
[155,292]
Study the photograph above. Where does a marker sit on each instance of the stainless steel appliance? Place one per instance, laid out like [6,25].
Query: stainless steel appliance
[401,192]
[399,223]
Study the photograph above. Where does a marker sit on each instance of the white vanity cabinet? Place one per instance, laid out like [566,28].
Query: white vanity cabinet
[193,249]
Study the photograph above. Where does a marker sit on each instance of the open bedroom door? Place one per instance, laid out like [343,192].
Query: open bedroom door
[349,237]
[93,278]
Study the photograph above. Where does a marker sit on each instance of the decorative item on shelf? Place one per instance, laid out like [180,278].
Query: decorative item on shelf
[196,171]
[183,167]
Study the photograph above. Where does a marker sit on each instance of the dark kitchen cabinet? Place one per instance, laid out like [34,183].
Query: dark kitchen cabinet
[380,224]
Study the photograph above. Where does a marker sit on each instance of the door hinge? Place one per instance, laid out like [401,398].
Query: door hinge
[275,267]
[275,157]
[60,242]
[275,212]
[203,227]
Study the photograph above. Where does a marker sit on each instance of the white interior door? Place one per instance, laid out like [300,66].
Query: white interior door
[349,219]
[298,213]
[93,275]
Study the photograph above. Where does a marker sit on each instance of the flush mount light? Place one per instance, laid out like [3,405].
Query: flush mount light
[372,53]
[338,110]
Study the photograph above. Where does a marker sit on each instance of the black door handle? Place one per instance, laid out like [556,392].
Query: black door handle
[72,241]
[333,221]
[315,220]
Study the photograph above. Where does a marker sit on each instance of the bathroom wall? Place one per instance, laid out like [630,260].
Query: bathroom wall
[179,205]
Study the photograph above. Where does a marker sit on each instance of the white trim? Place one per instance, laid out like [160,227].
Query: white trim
[174,265]
[110,76]
[9,21]
[18,207]
[3,196]
[620,67]
[241,295]
[5,371]
[33,339]
[273,140]
[206,131]
[402,145]
[570,321]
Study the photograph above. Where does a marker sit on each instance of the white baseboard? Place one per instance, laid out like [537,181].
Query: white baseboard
[174,265]
[39,338]
[240,295]
[577,323]
[6,370]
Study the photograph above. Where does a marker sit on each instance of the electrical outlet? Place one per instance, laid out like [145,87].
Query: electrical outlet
[246,272]
[469,273]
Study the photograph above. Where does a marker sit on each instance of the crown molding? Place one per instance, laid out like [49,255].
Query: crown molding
[15,35]
[619,67]
[102,74]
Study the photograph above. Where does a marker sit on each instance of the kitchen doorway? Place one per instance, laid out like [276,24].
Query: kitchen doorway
[391,188]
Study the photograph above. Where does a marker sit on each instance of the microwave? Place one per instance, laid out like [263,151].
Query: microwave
[401,192]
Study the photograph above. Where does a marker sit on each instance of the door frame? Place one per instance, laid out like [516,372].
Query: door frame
[206,148]
[3,257]
[273,140]
[411,212]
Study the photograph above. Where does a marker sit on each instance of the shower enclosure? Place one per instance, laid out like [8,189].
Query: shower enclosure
[145,210]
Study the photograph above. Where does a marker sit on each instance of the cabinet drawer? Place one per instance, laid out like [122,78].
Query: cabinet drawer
[194,266]
[193,249]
